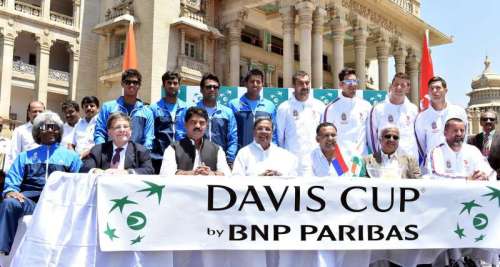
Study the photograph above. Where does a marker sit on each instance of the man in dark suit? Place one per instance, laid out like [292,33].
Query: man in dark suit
[488,141]
[119,156]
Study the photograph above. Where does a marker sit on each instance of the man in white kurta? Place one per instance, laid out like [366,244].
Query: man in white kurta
[398,111]
[297,119]
[83,137]
[262,157]
[456,159]
[429,124]
[349,114]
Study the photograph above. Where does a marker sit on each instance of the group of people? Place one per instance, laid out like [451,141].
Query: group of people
[249,137]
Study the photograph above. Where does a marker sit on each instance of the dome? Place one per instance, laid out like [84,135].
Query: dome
[487,79]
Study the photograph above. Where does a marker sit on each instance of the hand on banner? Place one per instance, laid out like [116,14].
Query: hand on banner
[478,176]
[270,173]
[16,195]
[116,171]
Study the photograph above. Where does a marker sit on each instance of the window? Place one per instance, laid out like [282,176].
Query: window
[32,59]
[121,46]
[251,36]
[277,45]
[190,49]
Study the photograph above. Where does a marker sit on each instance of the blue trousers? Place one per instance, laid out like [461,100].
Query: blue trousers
[11,210]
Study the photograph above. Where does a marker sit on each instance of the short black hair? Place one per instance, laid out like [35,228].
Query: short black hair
[131,73]
[298,74]
[436,79]
[90,100]
[346,72]
[70,104]
[450,120]
[323,125]
[261,119]
[196,111]
[402,76]
[170,75]
[254,72]
[208,76]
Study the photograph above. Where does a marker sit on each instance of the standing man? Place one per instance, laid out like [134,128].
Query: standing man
[297,119]
[250,107]
[167,112]
[221,122]
[71,112]
[349,114]
[454,159]
[22,138]
[140,115]
[194,154]
[83,138]
[488,142]
[398,111]
[429,124]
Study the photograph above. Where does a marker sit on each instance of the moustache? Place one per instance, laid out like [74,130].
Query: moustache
[197,129]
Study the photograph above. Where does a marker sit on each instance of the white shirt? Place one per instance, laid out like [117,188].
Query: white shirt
[296,123]
[253,160]
[121,164]
[429,126]
[349,116]
[318,165]
[169,164]
[490,139]
[443,162]
[5,150]
[402,116]
[83,137]
[68,134]
[22,140]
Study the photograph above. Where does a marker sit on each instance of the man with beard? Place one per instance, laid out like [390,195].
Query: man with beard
[194,154]
[29,172]
[297,119]
[221,122]
[454,159]
[83,138]
[167,113]
[71,112]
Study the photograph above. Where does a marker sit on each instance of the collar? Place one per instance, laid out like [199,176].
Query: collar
[388,101]
[258,146]
[449,150]
[193,143]
[349,99]
[388,157]
[124,147]
[490,134]
[201,105]
[121,102]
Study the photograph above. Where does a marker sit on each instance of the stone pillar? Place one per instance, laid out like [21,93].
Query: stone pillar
[383,46]
[182,42]
[413,66]
[305,10]
[205,49]
[269,75]
[234,36]
[46,10]
[74,56]
[8,40]
[10,4]
[360,34]
[76,13]
[400,58]
[288,22]
[317,52]
[338,27]
[44,43]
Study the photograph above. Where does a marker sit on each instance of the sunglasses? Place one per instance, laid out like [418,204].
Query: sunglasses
[211,86]
[49,127]
[488,119]
[391,136]
[350,82]
[130,82]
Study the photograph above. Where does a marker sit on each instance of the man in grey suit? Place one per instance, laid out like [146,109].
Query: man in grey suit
[388,162]
[488,141]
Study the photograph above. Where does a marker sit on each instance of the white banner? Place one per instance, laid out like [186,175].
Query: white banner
[151,213]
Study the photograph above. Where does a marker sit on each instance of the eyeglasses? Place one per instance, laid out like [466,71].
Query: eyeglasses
[121,127]
[350,82]
[211,86]
[49,127]
[132,82]
[488,119]
[391,136]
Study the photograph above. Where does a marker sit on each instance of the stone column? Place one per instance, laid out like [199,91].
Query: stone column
[10,4]
[317,52]
[400,57]
[205,49]
[305,10]
[76,13]
[44,42]
[413,66]
[182,42]
[74,56]
[383,46]
[360,34]
[234,36]
[269,75]
[338,26]
[8,40]
[46,10]
[288,23]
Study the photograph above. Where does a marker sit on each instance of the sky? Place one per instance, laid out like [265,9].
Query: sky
[475,27]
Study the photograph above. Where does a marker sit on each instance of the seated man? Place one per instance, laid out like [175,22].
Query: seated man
[29,171]
[262,157]
[454,159]
[387,162]
[120,155]
[194,154]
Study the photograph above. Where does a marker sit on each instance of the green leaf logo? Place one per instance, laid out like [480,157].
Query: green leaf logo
[136,220]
